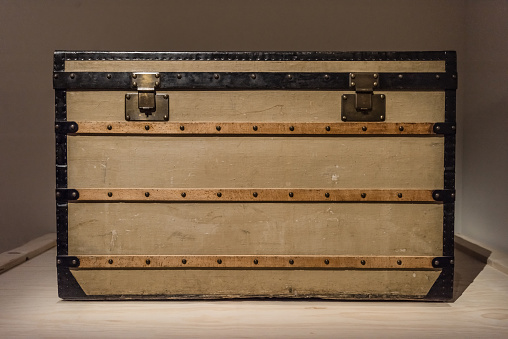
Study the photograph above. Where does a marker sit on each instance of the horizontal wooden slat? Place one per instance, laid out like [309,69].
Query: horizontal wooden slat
[260,106]
[252,195]
[404,162]
[254,261]
[252,128]
[252,66]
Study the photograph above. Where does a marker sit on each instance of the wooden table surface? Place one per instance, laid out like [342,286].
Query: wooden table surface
[30,307]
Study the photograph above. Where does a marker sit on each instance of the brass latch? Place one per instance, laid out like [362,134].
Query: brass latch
[146,104]
[364,105]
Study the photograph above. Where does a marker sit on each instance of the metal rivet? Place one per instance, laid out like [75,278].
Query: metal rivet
[291,261]
[253,76]
[219,194]
[72,75]
[255,128]
[110,194]
[291,194]
[58,194]
[134,76]
[178,76]
[147,194]
[291,128]
[382,96]
[127,96]
[363,195]
[184,261]
[57,126]
[382,117]
[55,76]
[108,76]
[255,194]
[375,75]
[399,262]
[110,261]
[134,83]
[399,195]
[59,261]
[362,262]
[74,262]
[183,194]
[110,127]
[353,84]
[166,96]
[128,117]
[218,128]
[216,76]
[290,76]
[182,128]
[219,261]
[436,262]
[436,195]
[327,261]
[166,116]
[452,195]
[452,262]
[344,97]
[344,118]
[353,76]
[256,261]
[327,194]
[157,75]
[147,261]
[401,128]
[74,194]
[437,76]
[147,127]
[327,77]
[364,128]
[328,128]
[454,76]
[375,83]
[438,128]
[453,127]
[72,127]
[157,84]
[400,76]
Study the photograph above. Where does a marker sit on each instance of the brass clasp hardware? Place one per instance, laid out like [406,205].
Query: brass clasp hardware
[146,104]
[364,105]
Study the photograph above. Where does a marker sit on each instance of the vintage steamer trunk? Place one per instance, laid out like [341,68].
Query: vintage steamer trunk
[233,175]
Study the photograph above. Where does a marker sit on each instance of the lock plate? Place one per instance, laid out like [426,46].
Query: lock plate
[135,111]
[364,105]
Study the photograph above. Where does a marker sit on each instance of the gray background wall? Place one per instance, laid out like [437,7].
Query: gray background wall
[31,30]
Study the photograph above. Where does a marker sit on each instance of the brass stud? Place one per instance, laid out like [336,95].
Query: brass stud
[344,97]
[253,76]
[362,262]
[291,194]
[74,194]
[157,84]
[183,194]
[147,127]
[290,76]
[399,262]
[454,76]
[59,261]
[110,194]
[327,261]
[291,261]
[72,75]
[353,84]
[134,76]
[127,117]
[401,128]
[375,83]
[327,195]
[437,76]
[399,195]
[353,76]
[184,261]
[291,128]
[110,261]
[147,194]
[452,262]
[182,127]
[218,128]
[157,75]
[382,96]
[108,76]
[147,261]
[255,128]
[452,195]
[344,118]
[436,195]
[219,194]
[375,75]
[364,128]
[166,96]
[55,76]
[454,127]
[216,76]
[363,195]
[110,127]
[400,76]
[219,261]
[74,262]
[327,77]
[438,128]
[328,128]
[436,262]
[382,117]
[127,96]
[166,116]
[256,261]
[58,194]
[134,83]
[255,194]
[178,76]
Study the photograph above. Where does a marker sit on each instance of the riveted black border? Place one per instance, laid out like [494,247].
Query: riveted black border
[260,56]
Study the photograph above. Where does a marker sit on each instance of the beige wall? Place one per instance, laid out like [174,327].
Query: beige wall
[31,30]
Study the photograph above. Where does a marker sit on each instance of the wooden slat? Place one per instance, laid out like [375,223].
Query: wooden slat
[252,195]
[252,128]
[404,162]
[260,106]
[253,261]
[252,66]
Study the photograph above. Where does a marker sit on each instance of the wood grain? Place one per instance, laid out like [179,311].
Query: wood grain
[251,128]
[252,66]
[246,162]
[255,229]
[259,106]
[252,195]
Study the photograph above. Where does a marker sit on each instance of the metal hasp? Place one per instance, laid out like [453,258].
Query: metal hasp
[146,104]
[364,105]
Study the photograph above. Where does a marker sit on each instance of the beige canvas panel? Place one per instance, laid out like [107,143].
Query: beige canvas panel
[255,106]
[254,66]
[251,283]
[255,228]
[255,162]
